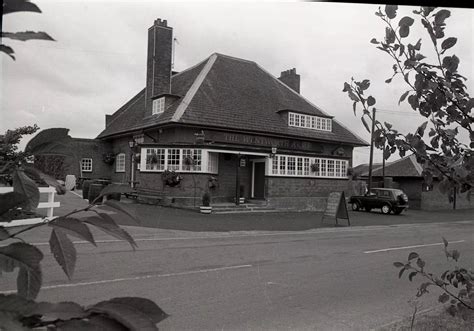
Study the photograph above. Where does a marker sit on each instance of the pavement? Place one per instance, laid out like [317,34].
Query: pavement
[323,278]
[190,220]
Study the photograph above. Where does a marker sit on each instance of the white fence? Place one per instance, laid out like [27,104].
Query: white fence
[49,206]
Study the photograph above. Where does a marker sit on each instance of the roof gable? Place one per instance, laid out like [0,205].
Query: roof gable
[405,167]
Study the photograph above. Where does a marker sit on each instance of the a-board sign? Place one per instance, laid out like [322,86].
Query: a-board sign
[336,207]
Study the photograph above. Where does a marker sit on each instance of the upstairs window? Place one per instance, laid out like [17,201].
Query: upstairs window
[158,106]
[309,122]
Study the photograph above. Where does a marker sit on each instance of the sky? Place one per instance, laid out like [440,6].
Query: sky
[98,60]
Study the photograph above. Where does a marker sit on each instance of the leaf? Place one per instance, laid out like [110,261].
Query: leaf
[412,256]
[22,184]
[411,275]
[146,306]
[443,298]
[374,41]
[407,20]
[51,141]
[455,254]
[74,227]
[26,257]
[63,251]
[7,50]
[12,6]
[11,200]
[388,81]
[346,88]
[398,264]
[448,43]
[402,270]
[364,85]
[443,276]
[33,172]
[365,124]
[4,233]
[441,16]
[421,129]
[445,242]
[391,11]
[27,35]
[388,125]
[451,63]
[121,208]
[108,225]
[371,101]
[15,304]
[420,263]
[404,31]
[10,323]
[129,316]
[353,96]
[354,105]
[60,310]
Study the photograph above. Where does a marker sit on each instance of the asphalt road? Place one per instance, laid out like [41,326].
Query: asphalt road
[322,279]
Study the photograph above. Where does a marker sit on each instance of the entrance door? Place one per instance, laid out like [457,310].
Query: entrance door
[259,180]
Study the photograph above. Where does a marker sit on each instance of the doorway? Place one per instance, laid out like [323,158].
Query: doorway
[258,179]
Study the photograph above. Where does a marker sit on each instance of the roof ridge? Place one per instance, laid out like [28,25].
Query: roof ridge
[233,57]
[193,89]
[192,67]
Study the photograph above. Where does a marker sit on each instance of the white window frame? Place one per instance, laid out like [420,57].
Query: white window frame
[172,159]
[309,122]
[86,164]
[120,162]
[300,166]
[158,106]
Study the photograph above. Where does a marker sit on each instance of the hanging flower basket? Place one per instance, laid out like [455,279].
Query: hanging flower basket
[212,182]
[108,158]
[171,178]
[137,157]
[314,167]
[152,158]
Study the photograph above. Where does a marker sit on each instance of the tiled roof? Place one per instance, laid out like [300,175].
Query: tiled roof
[405,167]
[237,94]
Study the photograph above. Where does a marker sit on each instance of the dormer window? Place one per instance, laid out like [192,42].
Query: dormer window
[158,106]
[309,122]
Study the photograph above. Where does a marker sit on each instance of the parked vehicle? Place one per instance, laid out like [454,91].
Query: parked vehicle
[387,199]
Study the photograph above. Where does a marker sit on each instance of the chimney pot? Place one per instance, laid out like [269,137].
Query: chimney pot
[291,79]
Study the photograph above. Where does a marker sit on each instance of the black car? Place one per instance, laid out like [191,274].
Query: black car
[387,199]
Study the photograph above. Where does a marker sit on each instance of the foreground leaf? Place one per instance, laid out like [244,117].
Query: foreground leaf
[120,207]
[51,181]
[15,304]
[11,200]
[7,50]
[10,323]
[74,227]
[12,6]
[61,310]
[108,225]
[26,257]
[63,251]
[23,185]
[146,306]
[27,35]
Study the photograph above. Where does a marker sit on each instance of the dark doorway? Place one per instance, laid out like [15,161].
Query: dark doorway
[259,180]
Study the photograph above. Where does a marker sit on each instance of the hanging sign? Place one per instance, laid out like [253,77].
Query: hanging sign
[336,207]
[243,162]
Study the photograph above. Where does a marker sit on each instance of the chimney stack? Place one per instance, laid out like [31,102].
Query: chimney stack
[291,79]
[159,58]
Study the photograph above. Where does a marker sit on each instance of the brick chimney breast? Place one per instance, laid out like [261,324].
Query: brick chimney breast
[291,79]
[159,58]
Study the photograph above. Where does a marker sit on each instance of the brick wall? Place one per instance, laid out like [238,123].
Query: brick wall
[412,188]
[302,193]
[435,200]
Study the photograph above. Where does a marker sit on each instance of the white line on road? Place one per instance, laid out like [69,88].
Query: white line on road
[407,247]
[106,281]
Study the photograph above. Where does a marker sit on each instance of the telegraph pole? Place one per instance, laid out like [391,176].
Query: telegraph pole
[371,150]
[383,164]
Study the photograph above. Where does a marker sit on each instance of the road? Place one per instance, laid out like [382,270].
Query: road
[322,279]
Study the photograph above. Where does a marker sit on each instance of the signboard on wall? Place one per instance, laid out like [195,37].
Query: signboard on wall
[336,207]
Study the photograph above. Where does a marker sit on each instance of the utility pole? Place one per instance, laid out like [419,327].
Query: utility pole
[383,164]
[371,150]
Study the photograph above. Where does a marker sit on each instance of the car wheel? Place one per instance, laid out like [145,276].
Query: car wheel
[385,209]
[355,206]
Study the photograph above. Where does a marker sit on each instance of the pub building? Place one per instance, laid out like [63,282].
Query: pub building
[228,127]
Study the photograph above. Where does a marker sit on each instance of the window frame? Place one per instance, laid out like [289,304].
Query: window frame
[89,166]
[311,122]
[117,160]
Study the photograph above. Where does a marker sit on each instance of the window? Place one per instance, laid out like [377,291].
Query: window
[139,139]
[330,171]
[306,166]
[322,169]
[173,159]
[158,106]
[337,171]
[291,165]
[309,122]
[299,166]
[282,165]
[213,163]
[317,165]
[155,159]
[86,165]
[120,163]
[275,165]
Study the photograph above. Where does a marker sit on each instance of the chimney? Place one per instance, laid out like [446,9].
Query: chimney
[158,65]
[291,79]
[108,120]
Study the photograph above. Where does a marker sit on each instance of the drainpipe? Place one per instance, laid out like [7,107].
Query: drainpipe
[237,181]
